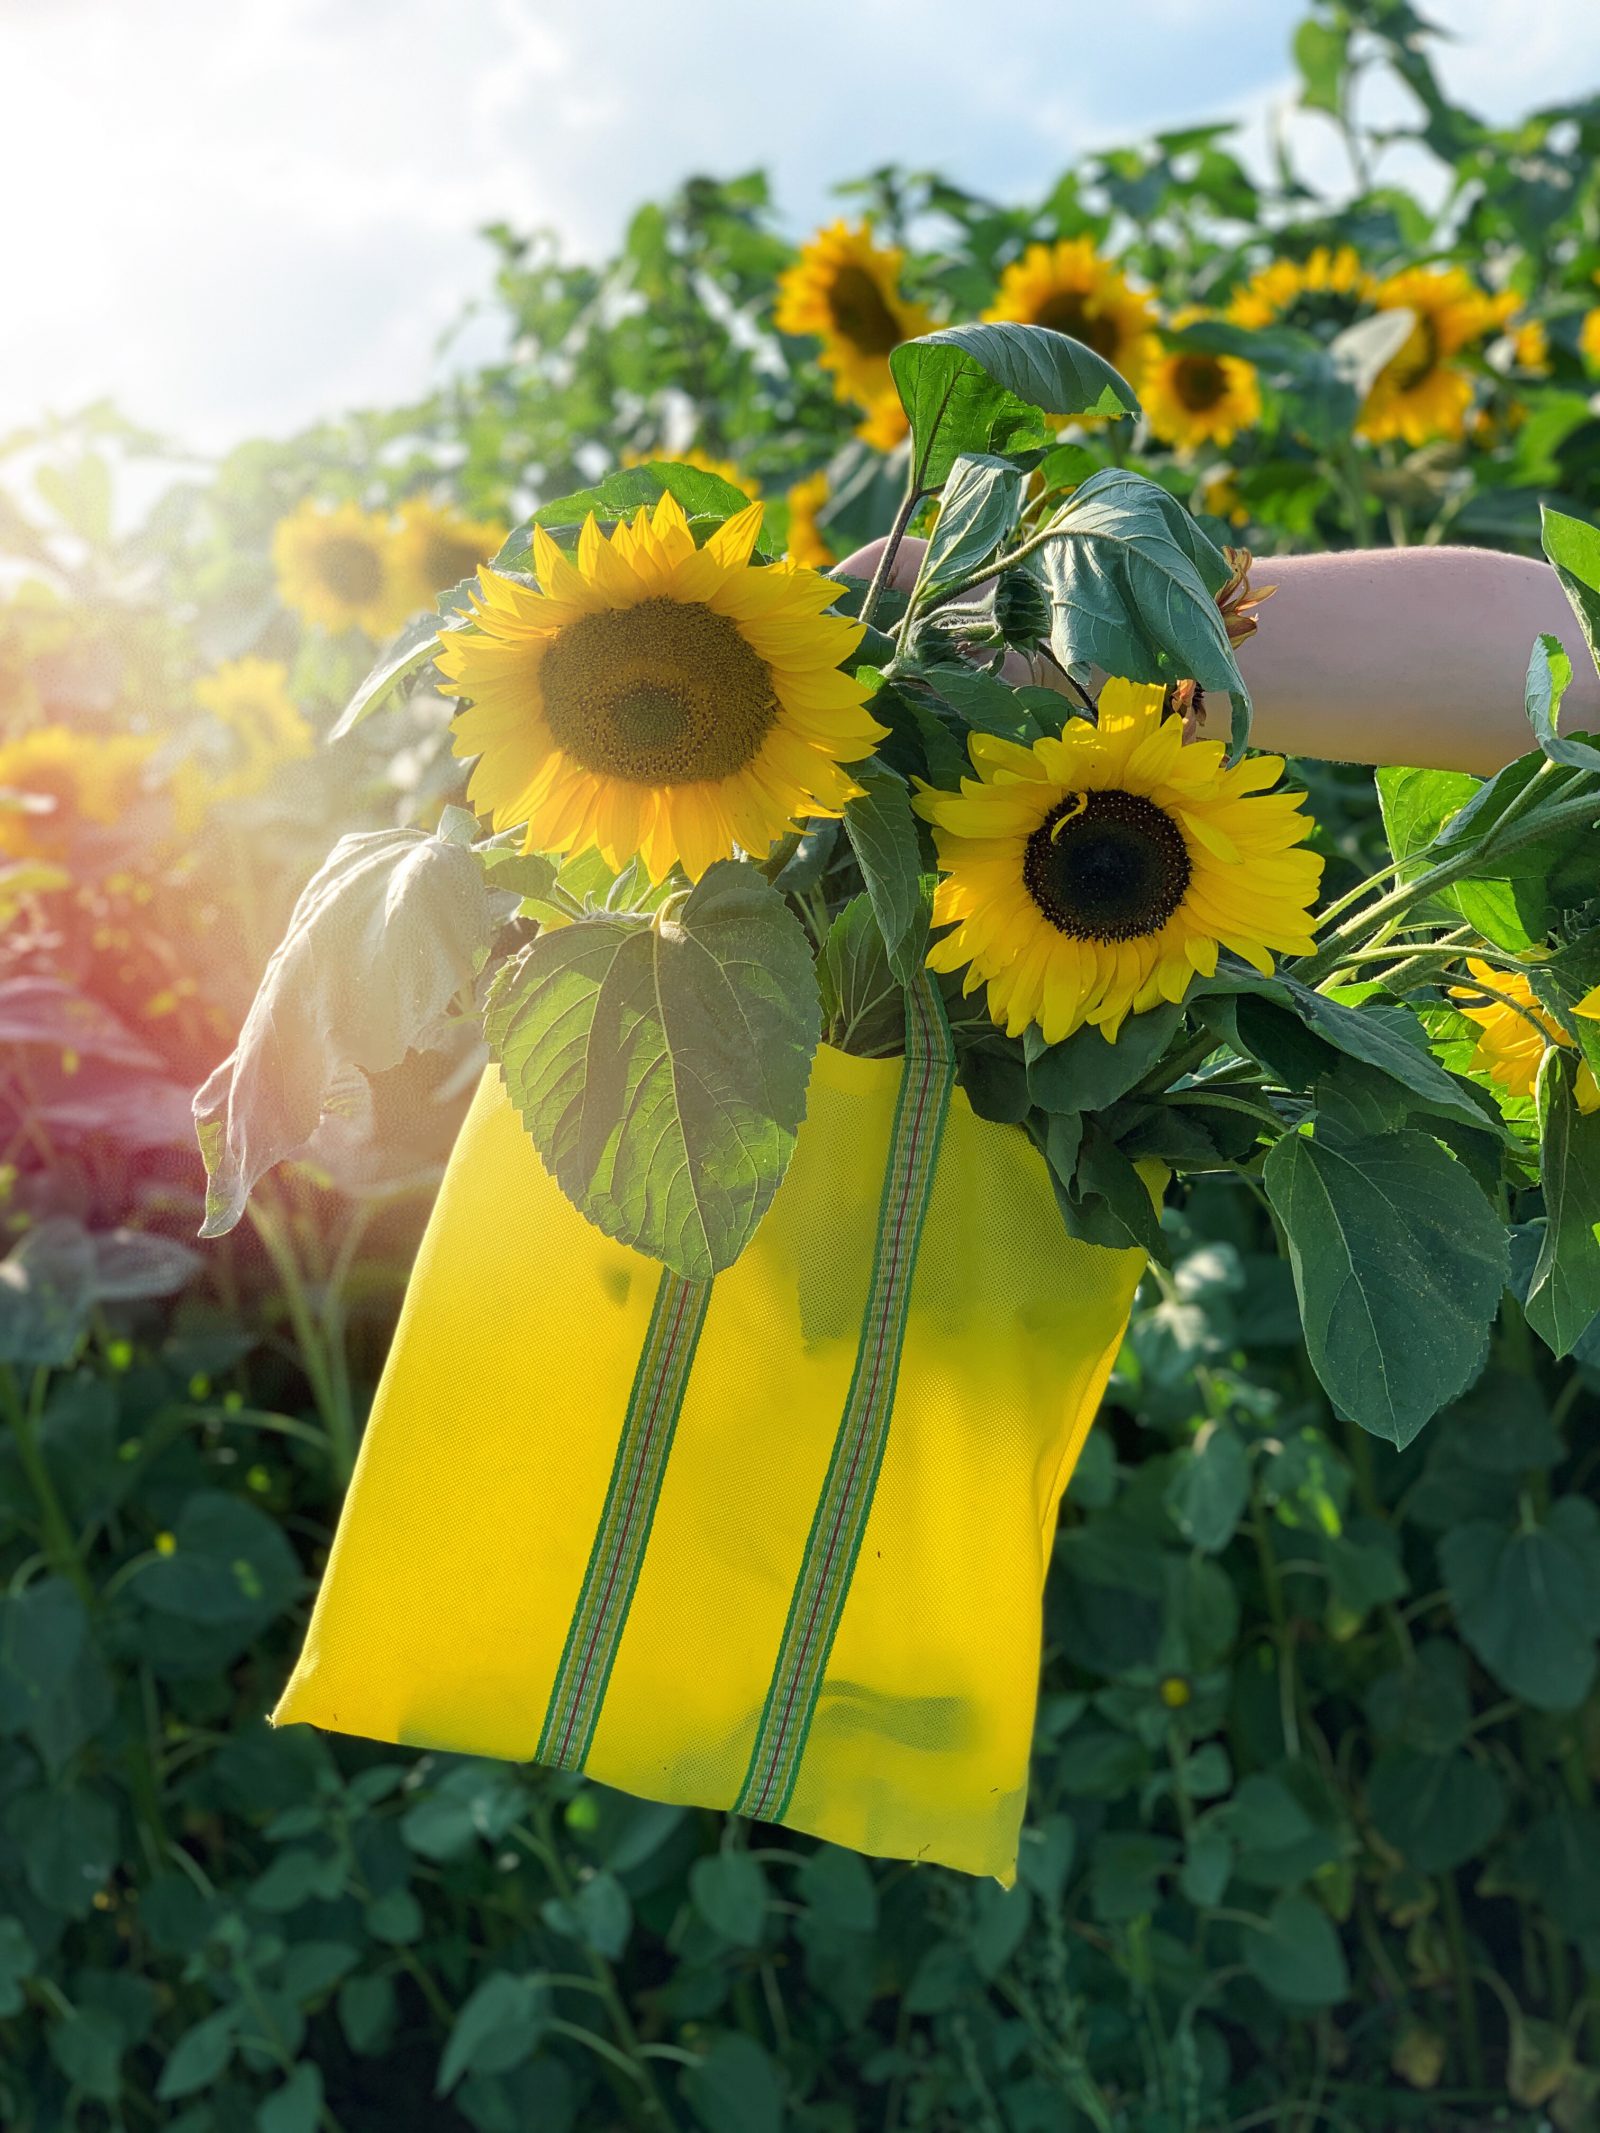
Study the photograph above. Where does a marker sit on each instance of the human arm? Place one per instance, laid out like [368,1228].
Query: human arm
[1396,655]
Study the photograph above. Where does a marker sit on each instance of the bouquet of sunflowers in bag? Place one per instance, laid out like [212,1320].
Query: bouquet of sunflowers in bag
[852,1008]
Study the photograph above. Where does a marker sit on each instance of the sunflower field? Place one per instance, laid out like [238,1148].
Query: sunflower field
[1311,1835]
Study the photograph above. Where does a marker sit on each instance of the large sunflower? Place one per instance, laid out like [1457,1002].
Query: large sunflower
[1069,287]
[1191,399]
[845,288]
[1325,289]
[334,567]
[1513,1038]
[656,698]
[434,547]
[1090,877]
[1420,393]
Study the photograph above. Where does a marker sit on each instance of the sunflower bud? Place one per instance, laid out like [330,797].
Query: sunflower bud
[1021,608]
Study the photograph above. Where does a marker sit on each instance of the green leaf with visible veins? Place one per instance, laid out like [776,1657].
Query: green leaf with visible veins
[1398,1262]
[976,389]
[661,1068]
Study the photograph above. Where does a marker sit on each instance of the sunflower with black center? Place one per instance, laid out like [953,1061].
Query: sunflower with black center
[1090,877]
[1324,292]
[334,567]
[1516,1029]
[658,699]
[433,547]
[1071,289]
[1191,398]
[845,289]
[1422,392]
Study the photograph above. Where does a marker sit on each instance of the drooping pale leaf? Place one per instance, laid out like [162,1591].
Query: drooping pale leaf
[1398,1262]
[974,389]
[883,836]
[1528,1600]
[976,512]
[661,1068]
[1549,677]
[1574,549]
[1132,583]
[1564,1292]
[388,932]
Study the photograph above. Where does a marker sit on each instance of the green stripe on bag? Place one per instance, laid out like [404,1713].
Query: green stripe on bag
[841,1516]
[631,1496]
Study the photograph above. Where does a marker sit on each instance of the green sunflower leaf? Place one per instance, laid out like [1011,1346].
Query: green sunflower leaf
[1574,549]
[1398,1263]
[1564,1292]
[883,835]
[1133,582]
[974,389]
[661,1067]
[409,653]
[1549,676]
[1394,1041]
[976,512]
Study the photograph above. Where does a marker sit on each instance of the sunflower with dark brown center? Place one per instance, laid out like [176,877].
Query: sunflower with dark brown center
[334,567]
[655,698]
[1071,289]
[1191,397]
[845,289]
[1090,877]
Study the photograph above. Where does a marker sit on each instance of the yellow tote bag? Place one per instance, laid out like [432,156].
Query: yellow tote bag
[775,1542]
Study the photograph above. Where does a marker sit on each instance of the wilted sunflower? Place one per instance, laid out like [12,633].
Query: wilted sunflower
[1327,288]
[1514,1038]
[334,567]
[806,544]
[1191,399]
[92,778]
[656,698]
[1090,877]
[1070,288]
[1420,393]
[434,547]
[845,288]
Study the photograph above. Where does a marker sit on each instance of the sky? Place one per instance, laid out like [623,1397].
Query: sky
[235,219]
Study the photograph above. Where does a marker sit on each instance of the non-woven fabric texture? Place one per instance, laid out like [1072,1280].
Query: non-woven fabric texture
[775,1542]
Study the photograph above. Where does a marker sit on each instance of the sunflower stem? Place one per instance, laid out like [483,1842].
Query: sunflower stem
[891,548]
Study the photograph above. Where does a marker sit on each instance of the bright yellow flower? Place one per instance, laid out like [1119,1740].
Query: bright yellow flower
[434,547]
[846,289]
[1530,347]
[1589,338]
[656,698]
[1512,1044]
[692,456]
[1069,287]
[806,543]
[1090,877]
[92,778]
[334,567]
[885,423]
[1420,394]
[1191,399]
[1327,288]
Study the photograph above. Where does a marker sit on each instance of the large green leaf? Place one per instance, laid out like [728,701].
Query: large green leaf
[1417,803]
[392,927]
[1398,1262]
[1085,1072]
[1574,548]
[883,834]
[1392,1040]
[1133,582]
[976,512]
[1528,1601]
[661,1067]
[1564,1293]
[974,389]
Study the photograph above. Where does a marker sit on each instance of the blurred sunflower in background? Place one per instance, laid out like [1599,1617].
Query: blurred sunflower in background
[1090,877]
[806,543]
[1516,1030]
[1070,288]
[845,289]
[250,700]
[85,779]
[1329,287]
[1589,338]
[1191,398]
[658,699]
[434,547]
[334,569]
[1421,393]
